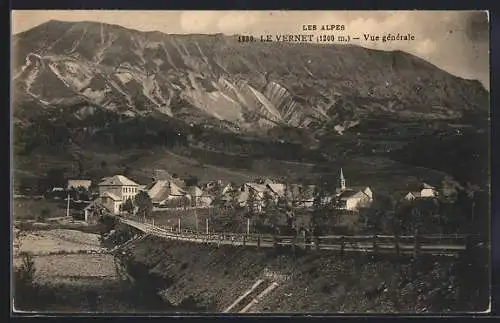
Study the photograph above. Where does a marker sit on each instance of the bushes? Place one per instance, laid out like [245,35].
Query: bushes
[24,286]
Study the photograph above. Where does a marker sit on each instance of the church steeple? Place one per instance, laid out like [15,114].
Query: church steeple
[342,180]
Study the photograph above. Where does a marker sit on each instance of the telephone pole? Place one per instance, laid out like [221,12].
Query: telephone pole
[67,207]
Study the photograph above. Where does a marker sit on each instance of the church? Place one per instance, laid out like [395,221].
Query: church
[352,198]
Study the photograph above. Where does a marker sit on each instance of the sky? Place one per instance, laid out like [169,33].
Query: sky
[456,41]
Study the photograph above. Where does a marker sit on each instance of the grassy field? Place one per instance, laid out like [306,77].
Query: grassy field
[28,209]
[55,241]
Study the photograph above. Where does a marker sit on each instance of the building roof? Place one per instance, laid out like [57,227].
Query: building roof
[425,185]
[161,196]
[227,189]
[352,188]
[164,189]
[195,191]
[111,195]
[350,193]
[87,181]
[243,197]
[277,188]
[260,188]
[415,194]
[117,180]
[175,190]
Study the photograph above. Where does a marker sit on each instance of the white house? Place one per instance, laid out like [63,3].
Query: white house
[163,192]
[425,191]
[352,198]
[246,190]
[76,183]
[277,190]
[115,190]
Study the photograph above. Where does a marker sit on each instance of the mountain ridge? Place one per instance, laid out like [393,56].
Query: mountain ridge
[250,86]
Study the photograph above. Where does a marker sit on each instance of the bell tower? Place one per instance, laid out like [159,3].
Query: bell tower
[342,180]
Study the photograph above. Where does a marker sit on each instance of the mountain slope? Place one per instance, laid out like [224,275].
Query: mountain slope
[238,85]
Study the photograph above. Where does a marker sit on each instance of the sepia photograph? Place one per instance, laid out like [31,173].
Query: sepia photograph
[243,162]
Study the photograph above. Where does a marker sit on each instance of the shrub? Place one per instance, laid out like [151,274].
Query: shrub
[24,286]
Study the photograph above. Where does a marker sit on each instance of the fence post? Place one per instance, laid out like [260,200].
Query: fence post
[416,251]
[396,244]
[244,240]
[342,247]
[375,246]
[258,241]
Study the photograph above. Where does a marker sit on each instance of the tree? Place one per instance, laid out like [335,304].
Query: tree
[144,204]
[192,180]
[268,202]
[44,213]
[251,206]
[218,200]
[128,206]
[55,177]
[271,211]
[24,285]
[127,171]
[233,199]
[449,190]
[318,210]
[252,202]
[380,216]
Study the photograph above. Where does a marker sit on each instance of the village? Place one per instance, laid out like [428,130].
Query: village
[171,197]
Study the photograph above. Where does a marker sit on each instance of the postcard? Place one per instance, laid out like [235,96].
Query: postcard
[240,162]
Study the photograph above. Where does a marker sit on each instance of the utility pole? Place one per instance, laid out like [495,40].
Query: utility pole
[206,222]
[67,207]
[196,218]
[248,226]
[179,225]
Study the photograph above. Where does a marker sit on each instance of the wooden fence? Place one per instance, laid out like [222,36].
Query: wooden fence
[448,245]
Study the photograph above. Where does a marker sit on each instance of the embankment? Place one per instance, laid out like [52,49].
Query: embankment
[211,278]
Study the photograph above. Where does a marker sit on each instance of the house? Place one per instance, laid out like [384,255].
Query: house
[227,189]
[352,198]
[215,187]
[298,195]
[424,191]
[115,190]
[277,190]
[251,189]
[163,193]
[77,183]
[199,197]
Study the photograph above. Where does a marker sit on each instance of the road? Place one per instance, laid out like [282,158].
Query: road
[349,245]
